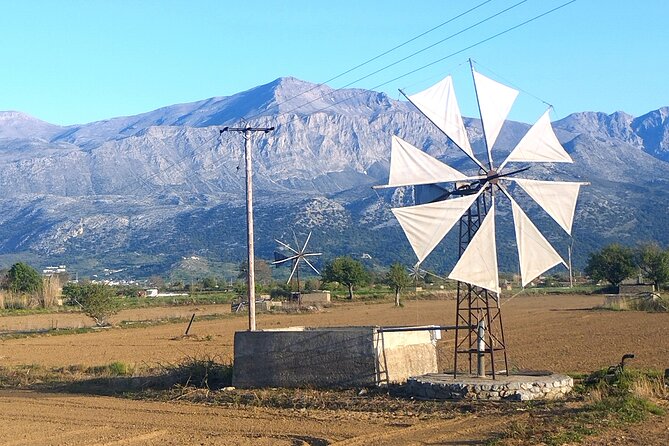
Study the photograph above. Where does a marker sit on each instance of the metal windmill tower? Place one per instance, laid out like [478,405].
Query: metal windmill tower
[450,197]
[298,254]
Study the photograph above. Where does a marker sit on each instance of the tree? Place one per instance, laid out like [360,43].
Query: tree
[614,263]
[398,278]
[209,283]
[653,263]
[156,282]
[347,271]
[262,271]
[23,278]
[95,299]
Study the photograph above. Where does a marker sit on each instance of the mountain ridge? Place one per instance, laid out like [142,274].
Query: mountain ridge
[128,190]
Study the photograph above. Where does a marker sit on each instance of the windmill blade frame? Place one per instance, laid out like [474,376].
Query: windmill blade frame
[300,255]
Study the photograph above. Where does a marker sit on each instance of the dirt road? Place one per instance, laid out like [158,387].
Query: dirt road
[30,418]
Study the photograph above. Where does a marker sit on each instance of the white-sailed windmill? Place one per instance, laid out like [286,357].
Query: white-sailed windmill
[417,273]
[470,201]
[296,255]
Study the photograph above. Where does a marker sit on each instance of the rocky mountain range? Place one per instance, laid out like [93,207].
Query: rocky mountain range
[140,193]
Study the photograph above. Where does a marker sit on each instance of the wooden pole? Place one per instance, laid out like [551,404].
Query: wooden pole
[571,274]
[249,217]
[189,324]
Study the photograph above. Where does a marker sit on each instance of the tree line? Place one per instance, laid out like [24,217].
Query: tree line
[615,263]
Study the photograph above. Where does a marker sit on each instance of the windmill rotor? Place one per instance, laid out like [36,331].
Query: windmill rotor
[297,255]
[417,273]
[470,202]
[426,223]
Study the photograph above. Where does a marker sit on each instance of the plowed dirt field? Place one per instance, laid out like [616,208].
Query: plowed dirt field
[560,333]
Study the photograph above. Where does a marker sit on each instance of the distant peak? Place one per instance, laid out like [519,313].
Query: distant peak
[12,115]
[289,81]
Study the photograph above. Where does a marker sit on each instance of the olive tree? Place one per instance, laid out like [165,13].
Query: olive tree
[398,278]
[346,271]
[613,263]
[653,262]
[98,301]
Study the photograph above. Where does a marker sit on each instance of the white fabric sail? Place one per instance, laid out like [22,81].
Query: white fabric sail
[539,145]
[426,224]
[557,198]
[439,104]
[410,166]
[495,101]
[535,253]
[478,264]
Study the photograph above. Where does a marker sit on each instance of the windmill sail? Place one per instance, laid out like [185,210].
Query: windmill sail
[495,101]
[410,166]
[426,224]
[439,104]
[535,253]
[478,264]
[557,198]
[280,258]
[429,193]
[539,145]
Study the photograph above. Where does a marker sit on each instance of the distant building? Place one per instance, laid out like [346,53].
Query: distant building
[54,270]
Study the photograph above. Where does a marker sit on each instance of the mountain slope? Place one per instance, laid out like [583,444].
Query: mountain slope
[138,193]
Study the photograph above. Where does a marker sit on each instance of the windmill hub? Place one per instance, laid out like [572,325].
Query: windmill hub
[492,176]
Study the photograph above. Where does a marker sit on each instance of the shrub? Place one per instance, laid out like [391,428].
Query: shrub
[204,373]
[95,299]
[23,278]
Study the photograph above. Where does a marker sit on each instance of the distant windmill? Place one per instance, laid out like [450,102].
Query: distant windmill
[417,273]
[299,254]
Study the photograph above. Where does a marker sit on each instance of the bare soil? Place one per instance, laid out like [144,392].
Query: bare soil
[559,333]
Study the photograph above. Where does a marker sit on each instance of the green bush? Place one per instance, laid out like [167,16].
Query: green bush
[96,300]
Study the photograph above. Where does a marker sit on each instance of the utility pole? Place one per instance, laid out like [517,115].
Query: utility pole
[251,281]
[571,274]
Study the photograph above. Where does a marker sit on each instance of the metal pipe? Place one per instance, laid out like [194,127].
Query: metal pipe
[421,328]
[480,332]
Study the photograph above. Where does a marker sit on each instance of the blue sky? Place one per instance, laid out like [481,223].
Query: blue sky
[69,62]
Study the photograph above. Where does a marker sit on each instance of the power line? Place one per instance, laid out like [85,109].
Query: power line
[368,61]
[388,66]
[477,43]
[487,39]
[467,28]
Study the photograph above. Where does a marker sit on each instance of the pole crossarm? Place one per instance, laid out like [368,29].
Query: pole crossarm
[249,215]
[247,129]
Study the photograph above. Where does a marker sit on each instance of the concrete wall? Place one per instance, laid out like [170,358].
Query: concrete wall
[317,297]
[635,288]
[404,354]
[330,357]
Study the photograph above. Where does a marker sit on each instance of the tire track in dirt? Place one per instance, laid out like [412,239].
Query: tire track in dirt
[32,418]
[460,430]
[136,439]
[62,438]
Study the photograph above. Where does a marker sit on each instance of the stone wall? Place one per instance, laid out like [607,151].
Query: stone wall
[439,386]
